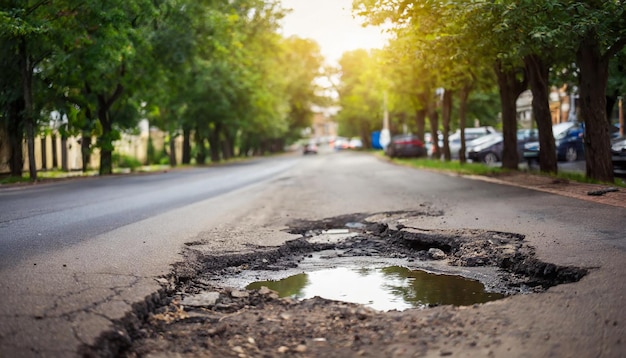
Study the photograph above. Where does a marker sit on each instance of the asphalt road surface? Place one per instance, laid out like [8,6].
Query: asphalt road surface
[77,254]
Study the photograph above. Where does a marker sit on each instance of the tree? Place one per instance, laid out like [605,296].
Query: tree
[410,79]
[12,108]
[27,33]
[599,32]
[110,52]
[301,64]
[361,93]
[441,40]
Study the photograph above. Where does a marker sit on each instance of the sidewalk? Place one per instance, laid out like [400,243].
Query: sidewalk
[562,187]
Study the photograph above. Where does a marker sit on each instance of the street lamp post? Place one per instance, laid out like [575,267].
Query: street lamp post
[385,135]
[621,116]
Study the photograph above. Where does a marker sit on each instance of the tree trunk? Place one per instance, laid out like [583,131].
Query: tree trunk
[420,122]
[44,154]
[107,136]
[225,149]
[55,158]
[214,143]
[85,142]
[106,144]
[365,134]
[446,114]
[538,76]
[29,120]
[463,96]
[85,150]
[15,130]
[173,161]
[30,137]
[200,150]
[106,150]
[64,166]
[592,82]
[227,144]
[186,157]
[510,87]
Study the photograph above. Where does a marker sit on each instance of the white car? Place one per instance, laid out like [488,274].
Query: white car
[454,140]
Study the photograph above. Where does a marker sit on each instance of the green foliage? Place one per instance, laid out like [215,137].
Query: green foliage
[126,161]
[453,44]
[151,152]
[219,69]
[300,65]
[14,180]
[452,166]
[486,170]
[361,93]
[164,159]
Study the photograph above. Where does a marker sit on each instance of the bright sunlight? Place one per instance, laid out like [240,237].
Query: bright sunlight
[331,24]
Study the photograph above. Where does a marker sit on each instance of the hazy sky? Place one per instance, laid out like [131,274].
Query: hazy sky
[331,24]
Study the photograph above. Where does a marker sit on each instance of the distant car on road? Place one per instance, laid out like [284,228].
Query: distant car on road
[568,138]
[341,143]
[355,143]
[310,148]
[406,145]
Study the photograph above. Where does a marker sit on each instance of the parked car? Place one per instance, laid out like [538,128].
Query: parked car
[406,145]
[355,143]
[488,149]
[568,138]
[428,142]
[454,140]
[341,143]
[618,156]
[310,148]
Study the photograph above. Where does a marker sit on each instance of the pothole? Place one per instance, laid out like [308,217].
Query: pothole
[384,289]
[204,302]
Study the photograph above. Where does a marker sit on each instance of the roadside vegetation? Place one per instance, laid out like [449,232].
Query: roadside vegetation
[221,76]
[482,169]
[450,64]
[217,74]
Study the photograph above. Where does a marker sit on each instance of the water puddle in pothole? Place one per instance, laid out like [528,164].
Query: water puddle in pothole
[384,289]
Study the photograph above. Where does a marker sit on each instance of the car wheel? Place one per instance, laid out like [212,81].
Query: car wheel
[490,158]
[571,155]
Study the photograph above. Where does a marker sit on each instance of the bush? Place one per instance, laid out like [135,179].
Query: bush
[126,161]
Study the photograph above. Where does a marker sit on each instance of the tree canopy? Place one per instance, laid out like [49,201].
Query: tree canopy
[215,71]
[220,75]
[528,44]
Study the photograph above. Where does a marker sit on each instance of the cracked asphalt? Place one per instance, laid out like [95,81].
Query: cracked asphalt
[64,297]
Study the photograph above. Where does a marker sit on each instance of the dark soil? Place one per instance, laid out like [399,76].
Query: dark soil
[258,323]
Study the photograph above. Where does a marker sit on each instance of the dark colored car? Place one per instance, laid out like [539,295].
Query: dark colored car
[568,138]
[406,145]
[618,156]
[488,149]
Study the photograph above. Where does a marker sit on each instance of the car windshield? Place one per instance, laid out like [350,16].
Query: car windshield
[524,134]
[619,144]
[494,137]
[560,130]
[470,133]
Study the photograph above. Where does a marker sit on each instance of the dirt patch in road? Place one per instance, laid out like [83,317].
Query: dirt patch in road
[195,315]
